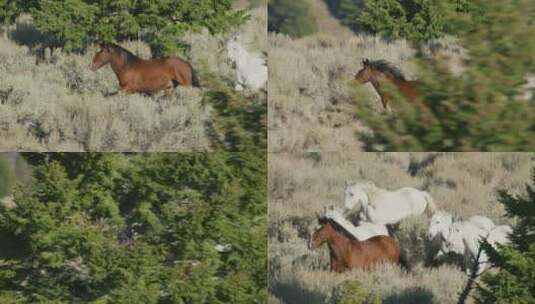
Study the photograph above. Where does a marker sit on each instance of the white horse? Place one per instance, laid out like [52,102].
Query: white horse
[383,207]
[498,235]
[251,69]
[362,232]
[441,222]
[464,237]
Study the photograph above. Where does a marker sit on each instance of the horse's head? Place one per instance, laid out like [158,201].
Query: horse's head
[323,233]
[354,196]
[440,223]
[366,73]
[102,57]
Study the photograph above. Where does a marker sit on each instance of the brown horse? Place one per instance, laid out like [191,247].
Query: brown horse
[347,252]
[378,71]
[137,75]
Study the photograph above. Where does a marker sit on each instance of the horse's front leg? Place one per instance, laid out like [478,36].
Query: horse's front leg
[169,89]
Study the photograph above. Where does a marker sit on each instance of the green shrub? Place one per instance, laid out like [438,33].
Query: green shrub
[292,17]
[11,9]
[352,292]
[415,20]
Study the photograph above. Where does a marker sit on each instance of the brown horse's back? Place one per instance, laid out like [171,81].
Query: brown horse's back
[376,250]
[173,68]
[410,89]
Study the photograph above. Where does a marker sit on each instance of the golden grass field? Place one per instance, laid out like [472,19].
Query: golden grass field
[465,184]
[60,105]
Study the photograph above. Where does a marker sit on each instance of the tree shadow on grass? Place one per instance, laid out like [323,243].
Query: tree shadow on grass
[293,293]
[414,295]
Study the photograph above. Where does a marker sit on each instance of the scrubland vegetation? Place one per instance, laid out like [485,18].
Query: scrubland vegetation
[464,184]
[468,55]
[60,105]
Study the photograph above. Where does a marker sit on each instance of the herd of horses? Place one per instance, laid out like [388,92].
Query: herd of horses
[149,76]
[373,240]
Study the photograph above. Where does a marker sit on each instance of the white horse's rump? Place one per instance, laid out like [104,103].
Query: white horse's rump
[362,232]
[464,237]
[251,69]
[498,235]
[383,207]
[482,222]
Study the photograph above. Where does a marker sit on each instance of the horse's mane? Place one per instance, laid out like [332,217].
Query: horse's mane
[339,228]
[129,57]
[387,68]
[369,188]
[337,217]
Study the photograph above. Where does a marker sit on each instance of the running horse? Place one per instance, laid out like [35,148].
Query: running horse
[137,75]
[378,71]
[347,252]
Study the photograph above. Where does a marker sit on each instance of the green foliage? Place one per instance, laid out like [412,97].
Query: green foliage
[514,282]
[478,111]
[415,20]
[116,228]
[292,17]
[7,176]
[11,9]
[74,23]
[351,292]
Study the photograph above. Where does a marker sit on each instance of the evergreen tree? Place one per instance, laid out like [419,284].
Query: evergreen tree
[414,20]
[292,17]
[514,282]
[75,23]
[115,228]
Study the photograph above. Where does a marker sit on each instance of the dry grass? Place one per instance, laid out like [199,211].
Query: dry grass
[299,185]
[61,105]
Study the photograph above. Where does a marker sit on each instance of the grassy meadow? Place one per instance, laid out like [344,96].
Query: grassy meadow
[60,105]
[464,184]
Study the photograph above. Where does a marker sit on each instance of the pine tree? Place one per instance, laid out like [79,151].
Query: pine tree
[115,228]
[516,262]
